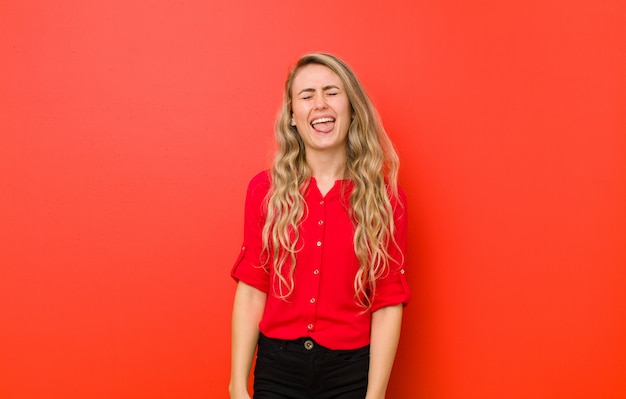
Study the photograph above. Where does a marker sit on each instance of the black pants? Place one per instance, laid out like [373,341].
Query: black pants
[302,369]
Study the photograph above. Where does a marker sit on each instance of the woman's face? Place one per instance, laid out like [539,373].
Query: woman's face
[321,111]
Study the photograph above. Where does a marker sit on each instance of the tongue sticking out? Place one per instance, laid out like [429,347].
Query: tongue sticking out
[324,127]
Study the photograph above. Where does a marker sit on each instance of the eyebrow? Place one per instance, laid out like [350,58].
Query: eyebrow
[323,89]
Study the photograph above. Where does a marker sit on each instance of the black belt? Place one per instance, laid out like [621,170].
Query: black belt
[304,345]
[295,345]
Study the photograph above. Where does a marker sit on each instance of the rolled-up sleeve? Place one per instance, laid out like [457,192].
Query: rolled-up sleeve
[392,288]
[250,266]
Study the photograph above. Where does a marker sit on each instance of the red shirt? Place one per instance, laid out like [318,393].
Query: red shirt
[322,305]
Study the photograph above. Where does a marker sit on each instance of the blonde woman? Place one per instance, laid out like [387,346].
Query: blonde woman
[321,274]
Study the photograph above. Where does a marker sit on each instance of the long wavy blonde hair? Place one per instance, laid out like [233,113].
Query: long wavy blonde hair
[371,164]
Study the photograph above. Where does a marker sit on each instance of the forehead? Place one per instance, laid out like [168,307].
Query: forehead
[314,76]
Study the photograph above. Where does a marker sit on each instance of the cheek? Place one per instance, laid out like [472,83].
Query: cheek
[298,116]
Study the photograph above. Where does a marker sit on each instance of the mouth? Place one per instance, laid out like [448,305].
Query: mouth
[323,124]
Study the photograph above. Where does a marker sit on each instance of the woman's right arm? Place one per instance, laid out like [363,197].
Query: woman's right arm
[248,309]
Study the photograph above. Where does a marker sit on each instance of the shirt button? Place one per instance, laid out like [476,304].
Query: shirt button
[321,222]
[312,300]
[243,248]
[322,202]
[316,271]
[401,271]
[310,326]
[319,244]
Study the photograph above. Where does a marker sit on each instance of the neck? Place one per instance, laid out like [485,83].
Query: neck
[327,167]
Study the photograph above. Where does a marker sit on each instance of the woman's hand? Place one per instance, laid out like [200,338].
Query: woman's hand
[248,309]
[240,395]
[383,344]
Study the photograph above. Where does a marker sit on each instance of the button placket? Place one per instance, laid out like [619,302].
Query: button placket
[319,218]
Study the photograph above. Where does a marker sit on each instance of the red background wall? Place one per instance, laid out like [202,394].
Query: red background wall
[129,130]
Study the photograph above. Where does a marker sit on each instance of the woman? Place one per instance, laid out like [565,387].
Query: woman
[320,277]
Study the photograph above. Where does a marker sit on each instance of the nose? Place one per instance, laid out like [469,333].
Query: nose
[320,101]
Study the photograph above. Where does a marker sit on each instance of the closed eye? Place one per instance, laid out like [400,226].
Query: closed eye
[306,94]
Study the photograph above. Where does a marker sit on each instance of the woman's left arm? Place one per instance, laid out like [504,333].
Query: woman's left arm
[385,335]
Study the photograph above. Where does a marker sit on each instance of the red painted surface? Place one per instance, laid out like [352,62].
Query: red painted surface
[129,130]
